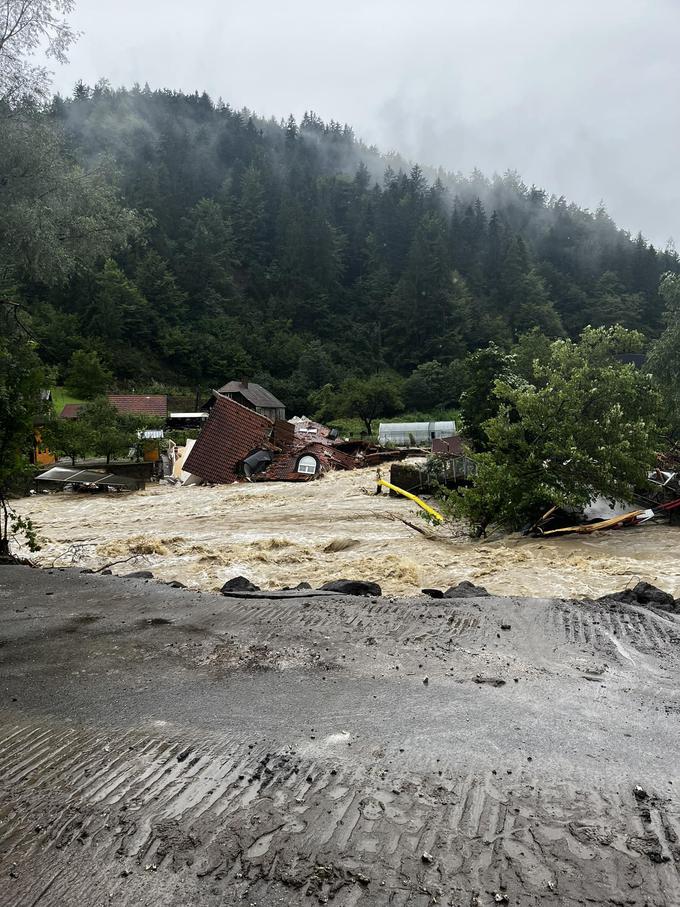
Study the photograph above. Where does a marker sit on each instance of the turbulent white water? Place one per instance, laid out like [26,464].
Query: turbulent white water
[279,534]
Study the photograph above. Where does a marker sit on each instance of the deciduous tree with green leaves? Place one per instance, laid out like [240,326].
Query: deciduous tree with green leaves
[87,378]
[26,26]
[368,398]
[72,438]
[113,434]
[21,378]
[583,425]
[55,218]
[664,359]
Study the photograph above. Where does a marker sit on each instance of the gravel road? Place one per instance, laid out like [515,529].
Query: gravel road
[166,747]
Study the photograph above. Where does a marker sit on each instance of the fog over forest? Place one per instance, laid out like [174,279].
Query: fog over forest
[578,97]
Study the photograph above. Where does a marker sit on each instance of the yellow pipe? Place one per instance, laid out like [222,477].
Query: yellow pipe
[412,497]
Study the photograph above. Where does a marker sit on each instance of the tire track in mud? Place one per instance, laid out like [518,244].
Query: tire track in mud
[383,619]
[425,810]
[214,822]
[600,625]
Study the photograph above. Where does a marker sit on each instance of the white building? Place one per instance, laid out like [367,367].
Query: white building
[420,434]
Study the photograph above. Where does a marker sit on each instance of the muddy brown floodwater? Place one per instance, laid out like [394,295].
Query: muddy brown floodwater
[279,534]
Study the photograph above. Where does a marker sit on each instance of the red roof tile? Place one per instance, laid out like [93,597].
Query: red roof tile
[141,404]
[71,411]
[283,434]
[230,434]
[284,467]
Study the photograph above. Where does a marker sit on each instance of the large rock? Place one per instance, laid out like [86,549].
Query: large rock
[140,574]
[647,595]
[353,587]
[239,584]
[465,590]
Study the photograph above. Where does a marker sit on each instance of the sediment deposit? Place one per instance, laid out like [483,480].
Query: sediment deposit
[161,746]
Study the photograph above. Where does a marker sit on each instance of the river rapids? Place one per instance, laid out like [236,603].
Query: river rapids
[280,534]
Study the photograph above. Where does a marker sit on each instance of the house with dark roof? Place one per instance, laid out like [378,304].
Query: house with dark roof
[255,397]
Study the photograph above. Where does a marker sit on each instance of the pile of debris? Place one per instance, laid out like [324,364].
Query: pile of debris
[660,498]
[239,443]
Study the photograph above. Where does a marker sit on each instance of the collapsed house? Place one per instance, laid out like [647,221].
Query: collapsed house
[239,443]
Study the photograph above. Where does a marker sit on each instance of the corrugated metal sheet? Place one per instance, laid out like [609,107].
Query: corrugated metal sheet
[68,476]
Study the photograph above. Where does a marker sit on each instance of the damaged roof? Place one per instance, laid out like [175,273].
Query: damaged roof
[253,393]
[284,467]
[309,428]
[72,476]
[231,433]
[235,432]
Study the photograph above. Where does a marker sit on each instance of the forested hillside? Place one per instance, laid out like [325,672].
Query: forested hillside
[295,255]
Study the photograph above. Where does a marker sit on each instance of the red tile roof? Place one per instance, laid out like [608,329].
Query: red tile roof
[71,411]
[284,467]
[231,433]
[283,434]
[141,404]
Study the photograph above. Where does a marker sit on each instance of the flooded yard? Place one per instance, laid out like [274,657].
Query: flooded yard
[280,534]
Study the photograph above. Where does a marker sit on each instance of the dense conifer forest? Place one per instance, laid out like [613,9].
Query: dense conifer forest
[293,254]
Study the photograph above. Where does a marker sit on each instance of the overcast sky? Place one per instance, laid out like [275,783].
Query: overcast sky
[580,96]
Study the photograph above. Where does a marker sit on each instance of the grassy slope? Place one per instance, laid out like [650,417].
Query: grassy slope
[60,397]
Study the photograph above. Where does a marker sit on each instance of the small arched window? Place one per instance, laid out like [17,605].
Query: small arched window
[307,465]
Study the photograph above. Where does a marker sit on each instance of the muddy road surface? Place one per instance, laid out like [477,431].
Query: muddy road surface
[160,746]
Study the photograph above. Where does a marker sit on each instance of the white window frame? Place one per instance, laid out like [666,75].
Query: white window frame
[304,467]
